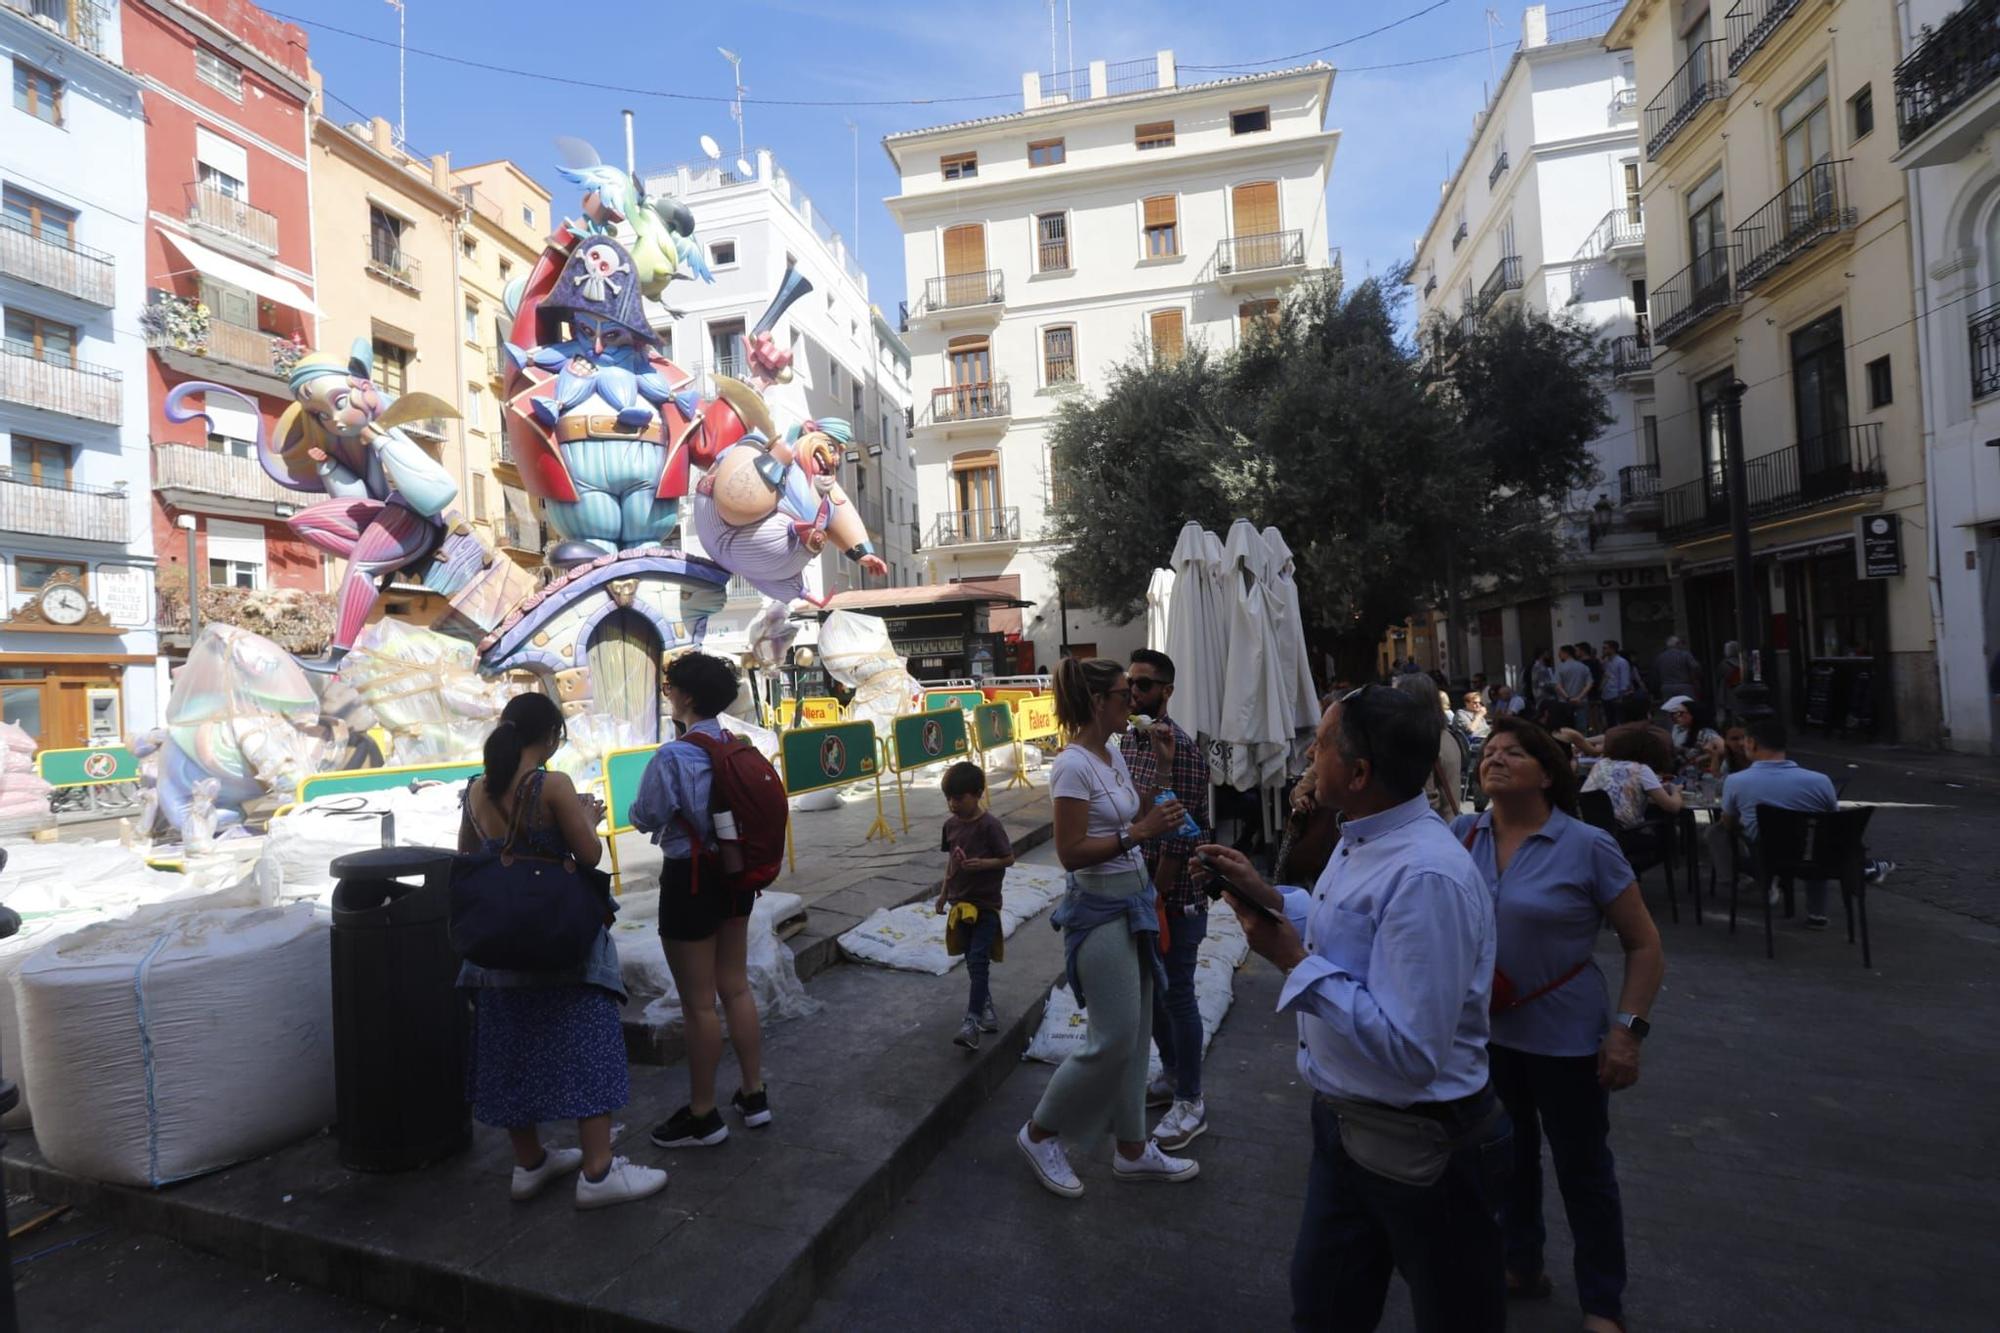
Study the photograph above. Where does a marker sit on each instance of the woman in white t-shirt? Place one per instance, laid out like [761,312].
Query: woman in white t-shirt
[1110,924]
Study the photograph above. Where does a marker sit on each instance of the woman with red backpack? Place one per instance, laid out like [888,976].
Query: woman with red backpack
[709,800]
[1557,1048]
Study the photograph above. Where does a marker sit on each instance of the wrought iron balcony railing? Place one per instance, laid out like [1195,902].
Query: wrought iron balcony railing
[1247,254]
[1808,209]
[392,262]
[188,471]
[1831,466]
[60,383]
[59,264]
[1959,58]
[226,215]
[966,527]
[1505,277]
[958,291]
[1431,285]
[83,22]
[971,402]
[1499,166]
[1624,106]
[1639,484]
[1631,354]
[1691,295]
[1983,332]
[1458,237]
[1621,227]
[1701,79]
[1751,24]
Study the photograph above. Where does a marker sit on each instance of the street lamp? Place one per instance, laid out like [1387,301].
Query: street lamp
[186,523]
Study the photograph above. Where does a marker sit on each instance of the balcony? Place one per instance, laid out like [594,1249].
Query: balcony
[518,534]
[82,22]
[1938,83]
[1833,466]
[964,408]
[231,219]
[428,430]
[1809,209]
[1632,354]
[1624,106]
[495,367]
[1619,235]
[1458,236]
[1639,485]
[1751,24]
[962,298]
[1689,297]
[1430,286]
[1983,332]
[64,509]
[205,480]
[1700,80]
[1499,168]
[1505,278]
[392,264]
[61,266]
[60,384]
[977,527]
[1253,261]
[208,348]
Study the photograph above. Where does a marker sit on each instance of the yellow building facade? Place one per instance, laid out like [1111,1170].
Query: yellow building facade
[1778,255]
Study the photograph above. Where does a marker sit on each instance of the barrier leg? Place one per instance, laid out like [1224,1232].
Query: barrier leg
[791,856]
[902,804]
[1020,778]
[611,839]
[881,824]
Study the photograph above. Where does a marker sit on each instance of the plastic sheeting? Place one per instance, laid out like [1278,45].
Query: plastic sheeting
[856,651]
[175,1043]
[24,797]
[1064,1026]
[910,938]
[302,843]
[642,960]
[425,690]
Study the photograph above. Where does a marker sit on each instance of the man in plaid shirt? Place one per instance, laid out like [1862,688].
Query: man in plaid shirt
[1176,1017]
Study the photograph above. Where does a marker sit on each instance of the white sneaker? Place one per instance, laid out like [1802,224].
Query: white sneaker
[1051,1164]
[555,1162]
[1160,1091]
[1152,1164]
[1181,1125]
[623,1183]
[1877,871]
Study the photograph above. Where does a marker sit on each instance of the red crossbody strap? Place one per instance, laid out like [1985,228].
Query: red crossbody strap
[1537,994]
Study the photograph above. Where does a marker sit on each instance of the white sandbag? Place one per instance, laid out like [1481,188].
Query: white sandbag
[910,938]
[34,933]
[174,1043]
[813,802]
[303,842]
[649,984]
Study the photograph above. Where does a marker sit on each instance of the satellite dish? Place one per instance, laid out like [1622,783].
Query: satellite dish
[744,169]
[711,148]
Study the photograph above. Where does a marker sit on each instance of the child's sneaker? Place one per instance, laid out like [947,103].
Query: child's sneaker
[989,1018]
[1160,1092]
[1877,871]
[1051,1164]
[754,1107]
[685,1129]
[1152,1164]
[622,1183]
[968,1034]
[1182,1125]
[555,1162]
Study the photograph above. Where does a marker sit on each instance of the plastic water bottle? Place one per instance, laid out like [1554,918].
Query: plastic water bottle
[1188,828]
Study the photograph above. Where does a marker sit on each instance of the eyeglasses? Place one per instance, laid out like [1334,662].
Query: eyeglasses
[1125,690]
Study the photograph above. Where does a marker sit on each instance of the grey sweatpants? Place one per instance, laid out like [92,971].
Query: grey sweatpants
[1103,1086]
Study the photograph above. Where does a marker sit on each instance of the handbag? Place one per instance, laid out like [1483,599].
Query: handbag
[526,913]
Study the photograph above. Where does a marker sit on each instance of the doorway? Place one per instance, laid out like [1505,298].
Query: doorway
[625,672]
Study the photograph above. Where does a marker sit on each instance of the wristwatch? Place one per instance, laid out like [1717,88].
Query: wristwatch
[1634,1024]
[1125,841]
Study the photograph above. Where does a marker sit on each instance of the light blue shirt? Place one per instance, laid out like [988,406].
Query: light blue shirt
[675,787]
[1778,782]
[1617,677]
[1550,905]
[1391,998]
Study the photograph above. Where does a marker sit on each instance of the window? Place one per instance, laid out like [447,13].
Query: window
[468,245]
[1819,396]
[1059,472]
[1167,329]
[855,397]
[232,428]
[1160,216]
[1250,121]
[1649,439]
[721,253]
[1052,242]
[475,413]
[1861,113]
[30,574]
[472,322]
[1708,235]
[1159,134]
[506,270]
[23,212]
[959,166]
[722,346]
[528,215]
[1804,128]
[1633,213]
[43,339]
[1708,398]
[1252,315]
[1881,386]
[235,553]
[1059,355]
[1046,153]
[385,238]
[38,94]
[392,367]
[478,497]
[231,573]
[41,462]
[218,73]
[975,486]
[215,179]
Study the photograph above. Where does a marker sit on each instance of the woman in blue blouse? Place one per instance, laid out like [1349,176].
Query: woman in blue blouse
[1557,1049]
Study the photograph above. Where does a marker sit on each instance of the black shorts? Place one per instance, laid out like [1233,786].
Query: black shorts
[687,914]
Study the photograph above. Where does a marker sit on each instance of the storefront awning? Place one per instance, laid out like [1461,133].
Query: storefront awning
[991,592]
[239,274]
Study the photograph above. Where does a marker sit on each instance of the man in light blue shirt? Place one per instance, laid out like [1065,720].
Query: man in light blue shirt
[1618,680]
[1389,963]
[1773,779]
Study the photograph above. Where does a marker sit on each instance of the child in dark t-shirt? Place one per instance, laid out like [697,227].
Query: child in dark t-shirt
[980,853]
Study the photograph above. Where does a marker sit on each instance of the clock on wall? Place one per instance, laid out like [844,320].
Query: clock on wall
[60,606]
[63,603]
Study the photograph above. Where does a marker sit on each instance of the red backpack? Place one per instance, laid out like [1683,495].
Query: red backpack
[744,784]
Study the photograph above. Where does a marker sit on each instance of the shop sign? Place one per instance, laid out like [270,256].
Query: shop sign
[120,592]
[1881,546]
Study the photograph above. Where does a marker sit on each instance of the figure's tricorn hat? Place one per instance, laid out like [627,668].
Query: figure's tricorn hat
[597,280]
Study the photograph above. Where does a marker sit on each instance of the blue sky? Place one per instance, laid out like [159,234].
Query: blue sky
[1401,128]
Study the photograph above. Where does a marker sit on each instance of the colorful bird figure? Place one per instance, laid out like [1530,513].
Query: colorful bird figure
[662,229]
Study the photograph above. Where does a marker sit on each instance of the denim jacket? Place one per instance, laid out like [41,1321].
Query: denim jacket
[1082,911]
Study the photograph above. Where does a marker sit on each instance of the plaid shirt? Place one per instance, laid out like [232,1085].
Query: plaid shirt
[1189,781]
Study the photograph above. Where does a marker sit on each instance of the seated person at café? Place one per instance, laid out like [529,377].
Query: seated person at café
[1631,716]
[1471,713]
[1733,756]
[1631,775]
[1695,737]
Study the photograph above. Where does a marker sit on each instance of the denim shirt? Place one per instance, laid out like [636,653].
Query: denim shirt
[1082,911]
[676,786]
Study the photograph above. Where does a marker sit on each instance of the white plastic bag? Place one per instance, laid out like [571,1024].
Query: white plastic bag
[910,938]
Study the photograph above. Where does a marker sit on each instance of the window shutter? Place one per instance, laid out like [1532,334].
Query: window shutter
[231,159]
[1167,335]
[1160,211]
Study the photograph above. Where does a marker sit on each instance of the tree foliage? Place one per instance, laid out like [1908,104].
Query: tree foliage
[1327,426]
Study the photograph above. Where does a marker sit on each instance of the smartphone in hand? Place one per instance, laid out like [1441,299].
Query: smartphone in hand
[1217,886]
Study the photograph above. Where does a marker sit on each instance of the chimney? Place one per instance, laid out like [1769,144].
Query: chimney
[382,136]
[441,172]
[1535,26]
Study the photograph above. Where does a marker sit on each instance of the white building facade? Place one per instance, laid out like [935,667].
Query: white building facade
[847,360]
[78,653]
[1116,215]
[1544,212]
[1947,95]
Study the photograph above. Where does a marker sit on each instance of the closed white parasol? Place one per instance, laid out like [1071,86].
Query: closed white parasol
[1195,631]
[1256,723]
[1301,699]
[1159,603]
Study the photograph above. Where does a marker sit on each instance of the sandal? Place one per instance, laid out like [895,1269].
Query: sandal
[1537,1289]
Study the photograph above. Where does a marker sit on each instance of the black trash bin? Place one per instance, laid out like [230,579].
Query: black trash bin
[399,1021]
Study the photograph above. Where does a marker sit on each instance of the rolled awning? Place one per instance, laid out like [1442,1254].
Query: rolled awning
[239,274]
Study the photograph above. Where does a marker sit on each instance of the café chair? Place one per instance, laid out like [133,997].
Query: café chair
[1808,845]
[1651,843]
